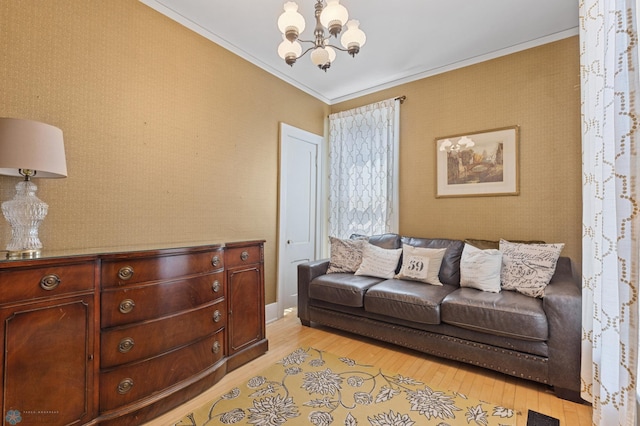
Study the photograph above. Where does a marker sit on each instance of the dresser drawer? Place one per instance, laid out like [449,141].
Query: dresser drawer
[140,341]
[132,304]
[135,270]
[239,256]
[18,284]
[123,385]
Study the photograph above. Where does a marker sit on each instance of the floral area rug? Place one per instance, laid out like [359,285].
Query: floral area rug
[313,387]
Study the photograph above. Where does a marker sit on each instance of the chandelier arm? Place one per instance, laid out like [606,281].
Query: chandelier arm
[305,52]
[336,47]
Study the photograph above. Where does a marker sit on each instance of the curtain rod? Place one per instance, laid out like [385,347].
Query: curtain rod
[399,98]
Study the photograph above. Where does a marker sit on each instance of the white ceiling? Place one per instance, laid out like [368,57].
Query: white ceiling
[406,39]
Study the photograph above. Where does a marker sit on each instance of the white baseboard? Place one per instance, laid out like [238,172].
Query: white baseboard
[271,312]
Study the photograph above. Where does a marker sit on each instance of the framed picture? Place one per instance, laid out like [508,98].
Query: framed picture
[478,164]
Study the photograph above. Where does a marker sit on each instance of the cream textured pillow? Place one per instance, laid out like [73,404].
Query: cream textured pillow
[421,264]
[528,268]
[346,255]
[480,269]
[379,262]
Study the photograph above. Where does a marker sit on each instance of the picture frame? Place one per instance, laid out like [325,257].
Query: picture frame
[478,164]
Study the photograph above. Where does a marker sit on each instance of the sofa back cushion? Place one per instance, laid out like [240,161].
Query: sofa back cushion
[385,241]
[450,267]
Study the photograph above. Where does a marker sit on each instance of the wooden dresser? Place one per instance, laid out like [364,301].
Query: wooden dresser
[119,338]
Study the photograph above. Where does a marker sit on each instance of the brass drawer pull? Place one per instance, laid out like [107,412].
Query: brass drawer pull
[50,282]
[127,306]
[217,316]
[216,347]
[215,286]
[126,345]
[125,273]
[244,256]
[125,386]
[215,261]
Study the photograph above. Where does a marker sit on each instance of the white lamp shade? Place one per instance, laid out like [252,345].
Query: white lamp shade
[334,13]
[287,48]
[353,36]
[445,145]
[319,56]
[31,145]
[291,19]
[466,142]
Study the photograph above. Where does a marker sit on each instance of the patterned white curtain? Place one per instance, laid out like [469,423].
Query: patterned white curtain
[611,203]
[363,170]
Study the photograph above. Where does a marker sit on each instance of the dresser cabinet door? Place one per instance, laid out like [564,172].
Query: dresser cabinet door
[48,375]
[245,285]
[246,311]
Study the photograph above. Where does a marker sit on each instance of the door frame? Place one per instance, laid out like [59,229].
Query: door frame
[318,140]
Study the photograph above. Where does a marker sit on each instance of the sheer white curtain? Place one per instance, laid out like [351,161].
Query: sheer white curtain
[609,80]
[363,170]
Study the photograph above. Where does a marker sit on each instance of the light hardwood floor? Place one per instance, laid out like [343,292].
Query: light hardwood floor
[287,334]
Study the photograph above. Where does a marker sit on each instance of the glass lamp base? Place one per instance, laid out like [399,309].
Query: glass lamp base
[23,254]
[24,213]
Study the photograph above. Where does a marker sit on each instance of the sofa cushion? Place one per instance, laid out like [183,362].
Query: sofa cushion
[341,288]
[421,264]
[492,244]
[346,255]
[480,269]
[528,268]
[385,241]
[508,313]
[450,267]
[409,300]
[379,262]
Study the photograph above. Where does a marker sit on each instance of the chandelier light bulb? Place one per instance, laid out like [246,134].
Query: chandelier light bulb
[320,58]
[466,142]
[445,145]
[354,38]
[334,16]
[291,22]
[289,51]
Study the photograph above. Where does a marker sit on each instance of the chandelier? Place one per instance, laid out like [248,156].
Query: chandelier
[333,18]
[461,144]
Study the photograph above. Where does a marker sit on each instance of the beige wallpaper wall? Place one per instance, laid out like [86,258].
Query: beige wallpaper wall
[169,138]
[538,90]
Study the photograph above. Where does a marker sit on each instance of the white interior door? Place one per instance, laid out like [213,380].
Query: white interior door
[299,190]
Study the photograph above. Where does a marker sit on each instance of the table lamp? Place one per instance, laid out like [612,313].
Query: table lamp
[30,149]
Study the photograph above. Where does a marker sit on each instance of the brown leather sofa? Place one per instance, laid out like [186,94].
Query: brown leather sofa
[532,338]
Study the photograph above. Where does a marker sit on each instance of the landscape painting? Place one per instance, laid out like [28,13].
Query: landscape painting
[478,164]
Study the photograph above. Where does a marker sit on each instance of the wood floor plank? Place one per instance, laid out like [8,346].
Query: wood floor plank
[497,391]
[287,334]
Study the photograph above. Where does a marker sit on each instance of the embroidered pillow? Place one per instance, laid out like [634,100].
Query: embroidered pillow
[421,264]
[346,255]
[528,268]
[379,262]
[480,269]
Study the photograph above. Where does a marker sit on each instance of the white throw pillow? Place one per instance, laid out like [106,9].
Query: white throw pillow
[421,264]
[379,262]
[528,268]
[480,269]
[346,255]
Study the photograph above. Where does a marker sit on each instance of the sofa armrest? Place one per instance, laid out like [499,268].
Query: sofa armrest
[306,273]
[562,304]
